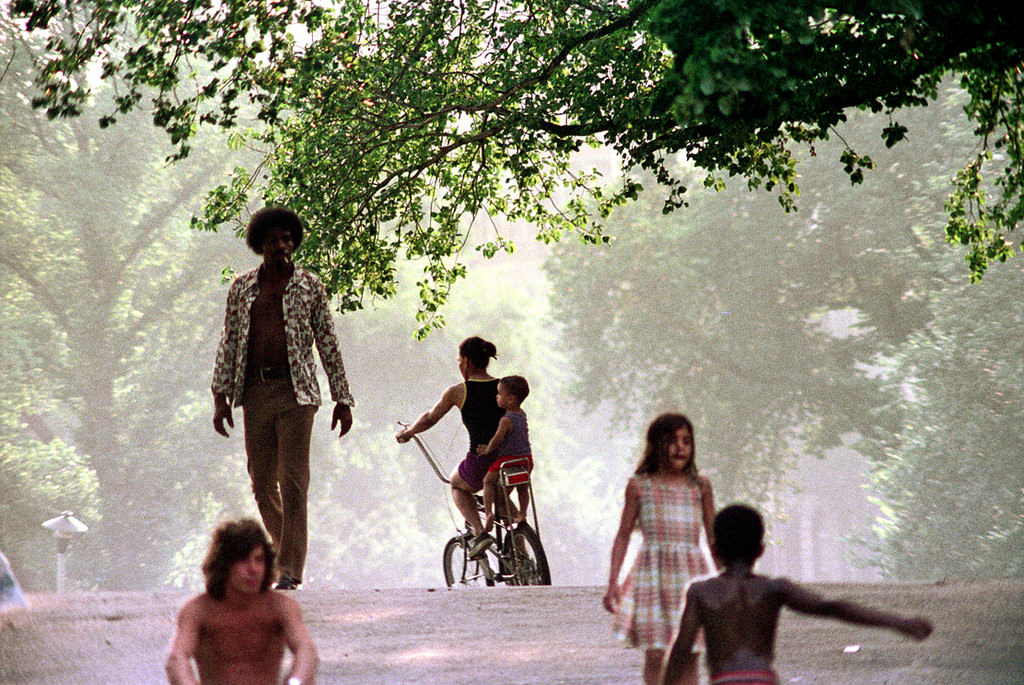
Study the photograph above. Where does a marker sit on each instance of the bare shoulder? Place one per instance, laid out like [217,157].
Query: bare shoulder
[282,604]
[781,584]
[454,394]
[793,594]
[704,483]
[703,588]
[632,487]
[198,604]
[708,593]
[196,610]
[724,590]
[288,612]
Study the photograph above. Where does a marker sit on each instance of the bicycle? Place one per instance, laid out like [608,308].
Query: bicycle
[517,556]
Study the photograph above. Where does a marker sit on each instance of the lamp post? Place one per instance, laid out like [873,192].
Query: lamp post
[64,527]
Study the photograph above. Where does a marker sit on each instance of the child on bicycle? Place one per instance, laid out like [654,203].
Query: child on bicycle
[510,441]
[739,610]
[670,502]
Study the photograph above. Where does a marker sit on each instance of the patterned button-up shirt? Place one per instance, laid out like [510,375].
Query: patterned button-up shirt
[307,319]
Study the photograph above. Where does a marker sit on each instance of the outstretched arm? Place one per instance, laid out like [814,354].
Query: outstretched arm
[452,397]
[630,512]
[183,646]
[807,602]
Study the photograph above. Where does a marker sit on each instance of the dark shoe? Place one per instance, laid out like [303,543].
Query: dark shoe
[479,545]
[287,583]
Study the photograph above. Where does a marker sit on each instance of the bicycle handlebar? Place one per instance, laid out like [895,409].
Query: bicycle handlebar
[431,459]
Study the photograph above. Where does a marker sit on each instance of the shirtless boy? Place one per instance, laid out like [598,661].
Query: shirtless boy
[237,631]
[739,610]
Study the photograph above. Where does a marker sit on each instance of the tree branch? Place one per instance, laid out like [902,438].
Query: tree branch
[40,291]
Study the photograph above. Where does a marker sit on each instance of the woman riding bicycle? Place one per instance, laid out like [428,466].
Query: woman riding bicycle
[476,399]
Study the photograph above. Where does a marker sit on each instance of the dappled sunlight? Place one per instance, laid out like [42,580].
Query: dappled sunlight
[381,614]
[513,653]
[506,653]
[424,653]
[540,637]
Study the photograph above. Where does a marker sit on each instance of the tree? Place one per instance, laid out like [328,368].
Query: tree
[111,308]
[846,322]
[759,323]
[948,478]
[751,80]
[40,474]
[400,125]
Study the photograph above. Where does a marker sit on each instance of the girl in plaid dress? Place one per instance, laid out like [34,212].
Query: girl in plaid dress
[669,501]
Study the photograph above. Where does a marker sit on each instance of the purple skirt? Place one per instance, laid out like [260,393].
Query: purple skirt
[473,468]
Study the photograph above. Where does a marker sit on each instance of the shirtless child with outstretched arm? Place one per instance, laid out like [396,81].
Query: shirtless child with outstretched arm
[739,610]
[237,631]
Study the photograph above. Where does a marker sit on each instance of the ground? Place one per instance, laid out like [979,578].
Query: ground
[506,636]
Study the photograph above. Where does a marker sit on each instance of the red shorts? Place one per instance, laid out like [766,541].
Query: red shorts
[501,460]
[757,677]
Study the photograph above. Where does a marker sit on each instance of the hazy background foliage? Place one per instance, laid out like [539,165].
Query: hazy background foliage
[819,353]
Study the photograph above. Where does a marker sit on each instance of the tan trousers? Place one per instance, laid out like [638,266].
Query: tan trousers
[277,435]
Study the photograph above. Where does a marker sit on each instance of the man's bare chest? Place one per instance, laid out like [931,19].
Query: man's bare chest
[229,635]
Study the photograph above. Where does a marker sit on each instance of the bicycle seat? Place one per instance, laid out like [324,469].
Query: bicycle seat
[514,472]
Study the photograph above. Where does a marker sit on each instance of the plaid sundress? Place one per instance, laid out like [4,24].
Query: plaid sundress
[670,557]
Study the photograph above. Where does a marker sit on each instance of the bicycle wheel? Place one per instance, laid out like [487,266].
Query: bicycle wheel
[526,558]
[459,570]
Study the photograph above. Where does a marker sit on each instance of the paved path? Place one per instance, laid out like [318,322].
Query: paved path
[508,636]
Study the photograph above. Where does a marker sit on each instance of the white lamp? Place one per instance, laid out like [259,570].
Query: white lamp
[64,527]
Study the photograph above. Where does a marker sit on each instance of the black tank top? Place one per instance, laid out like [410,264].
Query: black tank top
[480,411]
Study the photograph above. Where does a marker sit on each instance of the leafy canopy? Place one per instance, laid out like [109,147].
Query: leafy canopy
[396,127]
[759,77]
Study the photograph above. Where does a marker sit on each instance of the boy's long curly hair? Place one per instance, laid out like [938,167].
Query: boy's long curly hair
[233,541]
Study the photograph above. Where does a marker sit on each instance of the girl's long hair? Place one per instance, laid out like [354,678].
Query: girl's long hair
[660,435]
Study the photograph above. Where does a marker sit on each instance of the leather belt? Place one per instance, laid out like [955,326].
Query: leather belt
[268,373]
